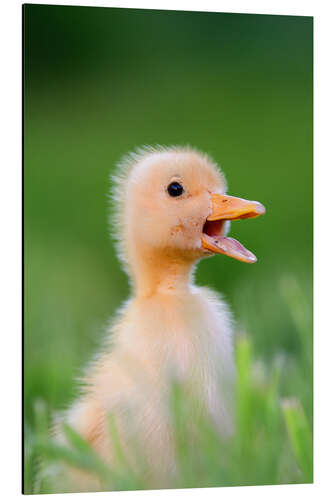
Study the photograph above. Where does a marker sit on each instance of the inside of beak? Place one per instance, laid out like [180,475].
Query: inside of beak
[225,208]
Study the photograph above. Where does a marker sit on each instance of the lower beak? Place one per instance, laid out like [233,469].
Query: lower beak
[229,208]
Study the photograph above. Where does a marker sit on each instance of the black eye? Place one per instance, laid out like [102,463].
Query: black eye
[175,189]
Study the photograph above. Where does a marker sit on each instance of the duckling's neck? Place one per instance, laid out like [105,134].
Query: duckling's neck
[161,271]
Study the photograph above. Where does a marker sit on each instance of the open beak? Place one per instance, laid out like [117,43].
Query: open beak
[229,208]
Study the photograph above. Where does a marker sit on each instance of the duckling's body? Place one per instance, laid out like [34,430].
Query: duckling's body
[167,336]
[170,329]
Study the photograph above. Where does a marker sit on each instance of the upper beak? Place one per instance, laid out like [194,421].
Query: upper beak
[232,208]
[229,208]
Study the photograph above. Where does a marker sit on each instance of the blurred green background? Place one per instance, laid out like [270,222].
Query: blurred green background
[101,81]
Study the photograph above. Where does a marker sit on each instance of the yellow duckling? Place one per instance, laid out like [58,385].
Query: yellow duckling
[172,211]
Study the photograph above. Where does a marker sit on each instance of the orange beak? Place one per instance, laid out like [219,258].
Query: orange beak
[229,208]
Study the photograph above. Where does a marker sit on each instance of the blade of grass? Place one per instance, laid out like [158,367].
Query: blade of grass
[300,436]
[83,454]
[122,464]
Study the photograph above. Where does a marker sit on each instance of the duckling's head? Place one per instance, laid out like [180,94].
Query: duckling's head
[172,202]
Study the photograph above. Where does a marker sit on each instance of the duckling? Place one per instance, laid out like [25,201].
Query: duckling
[171,210]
